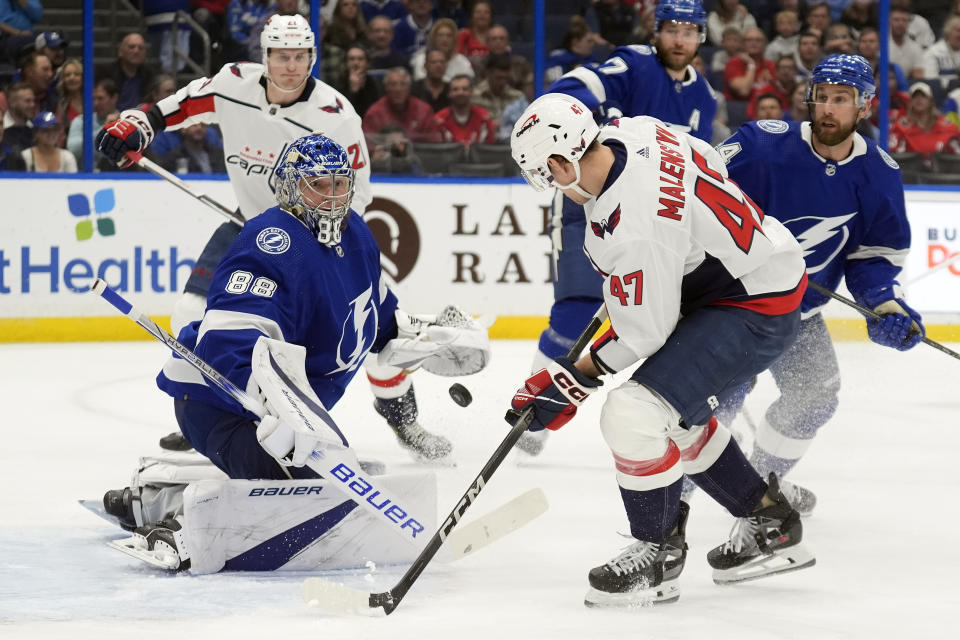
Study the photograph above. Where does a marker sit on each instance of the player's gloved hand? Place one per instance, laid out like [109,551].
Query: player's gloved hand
[901,327]
[291,447]
[132,132]
[554,393]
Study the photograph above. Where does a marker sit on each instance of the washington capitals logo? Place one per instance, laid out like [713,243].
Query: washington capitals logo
[235,70]
[529,122]
[606,225]
[337,107]
[614,123]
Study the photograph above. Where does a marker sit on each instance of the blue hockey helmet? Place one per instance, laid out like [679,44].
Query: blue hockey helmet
[315,183]
[680,11]
[845,68]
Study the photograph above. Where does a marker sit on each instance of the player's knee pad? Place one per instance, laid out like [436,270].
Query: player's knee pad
[700,446]
[636,423]
[387,381]
[189,307]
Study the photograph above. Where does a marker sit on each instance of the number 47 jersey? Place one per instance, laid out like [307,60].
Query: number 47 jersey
[670,233]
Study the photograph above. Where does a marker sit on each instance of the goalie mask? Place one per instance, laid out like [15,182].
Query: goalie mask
[287,32]
[554,124]
[315,183]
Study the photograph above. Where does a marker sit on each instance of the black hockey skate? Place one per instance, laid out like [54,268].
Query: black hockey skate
[161,545]
[120,504]
[401,414]
[175,442]
[645,573]
[800,498]
[764,544]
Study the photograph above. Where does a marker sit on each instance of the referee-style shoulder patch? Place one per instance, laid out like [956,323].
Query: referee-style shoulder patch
[773,126]
[886,158]
[273,240]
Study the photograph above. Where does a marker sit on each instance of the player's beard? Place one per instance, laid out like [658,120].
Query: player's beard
[830,137]
[675,62]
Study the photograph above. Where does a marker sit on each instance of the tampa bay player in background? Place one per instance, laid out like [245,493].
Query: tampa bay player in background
[635,80]
[706,291]
[842,198]
[261,109]
[304,272]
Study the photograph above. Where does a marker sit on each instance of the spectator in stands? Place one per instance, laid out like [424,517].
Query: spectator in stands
[163,85]
[17,19]
[395,154]
[494,93]
[514,110]
[577,49]
[782,86]
[799,110]
[10,159]
[472,39]
[46,156]
[818,18]
[730,46]
[903,50]
[899,101]
[443,37]
[614,20]
[942,60]
[644,32]
[432,89]
[211,15]
[37,71]
[70,91]
[749,69]
[130,72]
[860,14]
[721,119]
[788,26]
[397,106]
[869,47]
[498,40]
[919,28]
[18,120]
[411,33]
[839,39]
[768,107]
[808,53]
[362,89]
[241,16]
[463,121]
[105,96]
[392,9]
[53,45]
[158,16]
[348,26]
[380,38]
[923,129]
[452,10]
[195,153]
[728,13]
[333,63]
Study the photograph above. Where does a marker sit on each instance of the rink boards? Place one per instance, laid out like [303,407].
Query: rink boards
[481,244]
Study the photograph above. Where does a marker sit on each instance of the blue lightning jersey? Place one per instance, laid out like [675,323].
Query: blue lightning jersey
[633,82]
[849,217]
[277,280]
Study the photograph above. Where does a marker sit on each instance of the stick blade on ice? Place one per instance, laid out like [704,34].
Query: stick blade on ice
[334,597]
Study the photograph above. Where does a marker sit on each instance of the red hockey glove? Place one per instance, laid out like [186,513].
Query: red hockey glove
[132,132]
[554,393]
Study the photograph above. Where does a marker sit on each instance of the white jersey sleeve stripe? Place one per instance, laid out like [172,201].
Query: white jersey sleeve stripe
[896,257]
[590,80]
[222,320]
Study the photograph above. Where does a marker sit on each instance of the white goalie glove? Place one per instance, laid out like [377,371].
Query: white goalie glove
[448,344]
[296,424]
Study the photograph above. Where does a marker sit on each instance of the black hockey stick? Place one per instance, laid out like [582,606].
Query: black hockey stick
[334,596]
[870,313]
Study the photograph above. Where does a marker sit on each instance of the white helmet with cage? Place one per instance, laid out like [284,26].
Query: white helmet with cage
[553,124]
[288,32]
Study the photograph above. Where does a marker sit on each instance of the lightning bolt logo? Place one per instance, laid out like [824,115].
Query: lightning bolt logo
[362,313]
[821,239]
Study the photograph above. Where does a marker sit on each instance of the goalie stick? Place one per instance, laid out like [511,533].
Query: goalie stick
[333,596]
[870,313]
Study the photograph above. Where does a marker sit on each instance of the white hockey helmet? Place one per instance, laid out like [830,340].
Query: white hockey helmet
[553,124]
[288,32]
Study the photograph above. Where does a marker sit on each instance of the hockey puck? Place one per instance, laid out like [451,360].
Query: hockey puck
[460,394]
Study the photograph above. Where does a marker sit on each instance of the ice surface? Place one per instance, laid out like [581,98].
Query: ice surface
[77,416]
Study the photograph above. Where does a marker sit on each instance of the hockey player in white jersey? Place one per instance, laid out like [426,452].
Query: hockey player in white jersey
[261,109]
[706,291]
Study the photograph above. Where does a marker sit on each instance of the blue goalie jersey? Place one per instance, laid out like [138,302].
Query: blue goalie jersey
[633,82]
[849,217]
[278,280]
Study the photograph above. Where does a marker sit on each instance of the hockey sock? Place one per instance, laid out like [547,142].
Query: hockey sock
[765,462]
[653,513]
[567,319]
[732,482]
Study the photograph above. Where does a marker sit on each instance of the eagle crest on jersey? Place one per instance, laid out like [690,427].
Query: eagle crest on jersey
[606,225]
[316,160]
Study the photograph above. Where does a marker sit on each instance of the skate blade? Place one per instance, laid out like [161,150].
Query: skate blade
[666,593]
[790,559]
[133,548]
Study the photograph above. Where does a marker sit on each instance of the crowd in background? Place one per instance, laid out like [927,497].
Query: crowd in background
[426,72]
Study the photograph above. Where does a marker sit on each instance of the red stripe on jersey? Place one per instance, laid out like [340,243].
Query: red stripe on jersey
[189,108]
[691,452]
[774,305]
[390,382]
[607,336]
[649,467]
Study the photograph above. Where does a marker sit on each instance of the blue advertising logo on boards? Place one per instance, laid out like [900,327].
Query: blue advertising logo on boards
[103,203]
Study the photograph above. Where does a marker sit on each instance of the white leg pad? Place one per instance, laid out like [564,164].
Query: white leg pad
[700,446]
[636,424]
[776,444]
